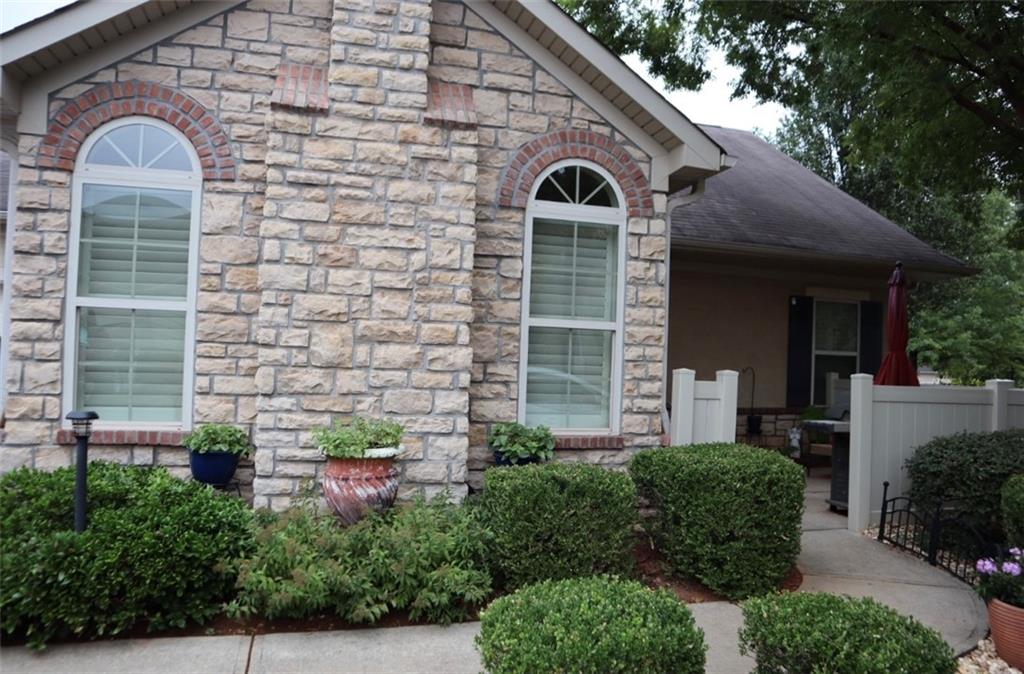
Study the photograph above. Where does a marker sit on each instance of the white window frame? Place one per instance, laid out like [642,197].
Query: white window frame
[815,352]
[131,177]
[601,215]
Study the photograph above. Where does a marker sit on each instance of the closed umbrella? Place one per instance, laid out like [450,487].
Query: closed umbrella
[896,369]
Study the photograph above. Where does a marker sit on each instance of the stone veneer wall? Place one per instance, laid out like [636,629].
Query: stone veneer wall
[358,262]
[775,426]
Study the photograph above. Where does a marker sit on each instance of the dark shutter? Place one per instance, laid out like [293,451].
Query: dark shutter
[871,322]
[798,363]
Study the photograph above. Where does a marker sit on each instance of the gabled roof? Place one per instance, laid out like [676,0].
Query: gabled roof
[770,203]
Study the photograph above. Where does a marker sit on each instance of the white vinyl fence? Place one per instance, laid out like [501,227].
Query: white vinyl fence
[888,423]
[703,411]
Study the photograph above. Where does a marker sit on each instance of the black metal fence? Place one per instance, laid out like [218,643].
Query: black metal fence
[942,535]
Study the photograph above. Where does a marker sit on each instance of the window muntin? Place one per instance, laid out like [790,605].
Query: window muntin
[574,264]
[135,215]
[836,344]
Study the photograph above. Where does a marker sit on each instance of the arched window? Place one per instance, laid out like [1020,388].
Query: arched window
[131,281]
[573,291]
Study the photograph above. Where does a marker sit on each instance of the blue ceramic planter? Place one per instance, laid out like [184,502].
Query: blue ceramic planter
[214,468]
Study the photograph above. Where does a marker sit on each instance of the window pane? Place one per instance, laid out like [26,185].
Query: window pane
[134,242]
[573,270]
[568,379]
[595,190]
[835,326]
[140,146]
[577,185]
[844,366]
[130,364]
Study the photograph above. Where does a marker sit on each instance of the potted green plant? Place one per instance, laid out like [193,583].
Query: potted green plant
[214,451]
[514,444]
[1001,585]
[360,473]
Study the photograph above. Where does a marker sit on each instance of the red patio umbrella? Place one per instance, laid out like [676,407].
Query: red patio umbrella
[896,369]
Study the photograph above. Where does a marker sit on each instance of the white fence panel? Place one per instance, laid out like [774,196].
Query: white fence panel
[703,411]
[888,423]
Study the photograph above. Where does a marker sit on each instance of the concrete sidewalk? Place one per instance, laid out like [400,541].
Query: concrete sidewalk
[832,560]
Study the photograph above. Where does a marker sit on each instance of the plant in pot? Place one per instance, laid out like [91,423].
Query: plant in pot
[515,444]
[1001,585]
[361,473]
[214,451]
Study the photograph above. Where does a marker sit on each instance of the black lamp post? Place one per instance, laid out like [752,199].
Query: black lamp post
[81,426]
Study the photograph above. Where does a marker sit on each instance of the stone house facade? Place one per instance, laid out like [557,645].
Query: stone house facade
[364,173]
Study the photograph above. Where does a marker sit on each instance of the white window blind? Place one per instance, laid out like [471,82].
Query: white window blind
[135,225]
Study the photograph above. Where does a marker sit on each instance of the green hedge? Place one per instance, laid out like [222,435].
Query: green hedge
[427,558]
[728,515]
[812,633]
[596,625]
[153,551]
[559,520]
[1013,510]
[971,467]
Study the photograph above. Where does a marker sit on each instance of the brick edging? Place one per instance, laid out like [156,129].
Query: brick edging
[112,437]
[590,442]
[71,125]
[536,155]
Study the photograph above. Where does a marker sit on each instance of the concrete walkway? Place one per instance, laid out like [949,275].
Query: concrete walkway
[832,560]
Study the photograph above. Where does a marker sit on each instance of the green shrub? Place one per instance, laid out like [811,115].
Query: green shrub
[153,551]
[1013,510]
[358,438]
[597,625]
[218,438]
[814,633]
[518,443]
[968,467]
[559,520]
[728,515]
[427,558]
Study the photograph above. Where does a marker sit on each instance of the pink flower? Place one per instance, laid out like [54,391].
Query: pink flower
[986,566]
[1011,568]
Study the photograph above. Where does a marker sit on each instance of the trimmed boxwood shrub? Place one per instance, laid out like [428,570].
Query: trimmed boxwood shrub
[559,520]
[811,633]
[596,625]
[728,515]
[154,551]
[968,467]
[1013,510]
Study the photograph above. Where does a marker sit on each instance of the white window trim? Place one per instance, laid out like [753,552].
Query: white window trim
[8,274]
[133,177]
[815,352]
[592,214]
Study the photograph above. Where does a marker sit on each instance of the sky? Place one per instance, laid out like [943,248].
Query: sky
[710,105]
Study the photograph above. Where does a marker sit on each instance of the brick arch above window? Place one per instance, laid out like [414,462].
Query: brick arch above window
[73,123]
[533,157]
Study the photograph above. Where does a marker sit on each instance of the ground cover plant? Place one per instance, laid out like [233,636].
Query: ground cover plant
[815,633]
[728,515]
[154,552]
[559,520]
[427,558]
[597,625]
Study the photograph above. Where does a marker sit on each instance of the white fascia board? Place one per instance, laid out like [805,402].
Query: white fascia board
[61,26]
[36,90]
[704,151]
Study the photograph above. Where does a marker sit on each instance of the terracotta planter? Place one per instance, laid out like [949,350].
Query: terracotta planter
[352,487]
[1007,623]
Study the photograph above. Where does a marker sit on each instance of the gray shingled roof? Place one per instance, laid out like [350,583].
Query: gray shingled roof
[770,201]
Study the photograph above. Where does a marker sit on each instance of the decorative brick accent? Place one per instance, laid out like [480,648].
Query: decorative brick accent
[536,155]
[590,442]
[66,436]
[450,106]
[104,102]
[300,87]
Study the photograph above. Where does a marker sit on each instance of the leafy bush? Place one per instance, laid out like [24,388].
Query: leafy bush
[591,626]
[218,438]
[1013,510]
[728,515]
[517,443]
[427,558]
[359,438]
[559,520]
[968,467]
[153,551]
[811,633]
